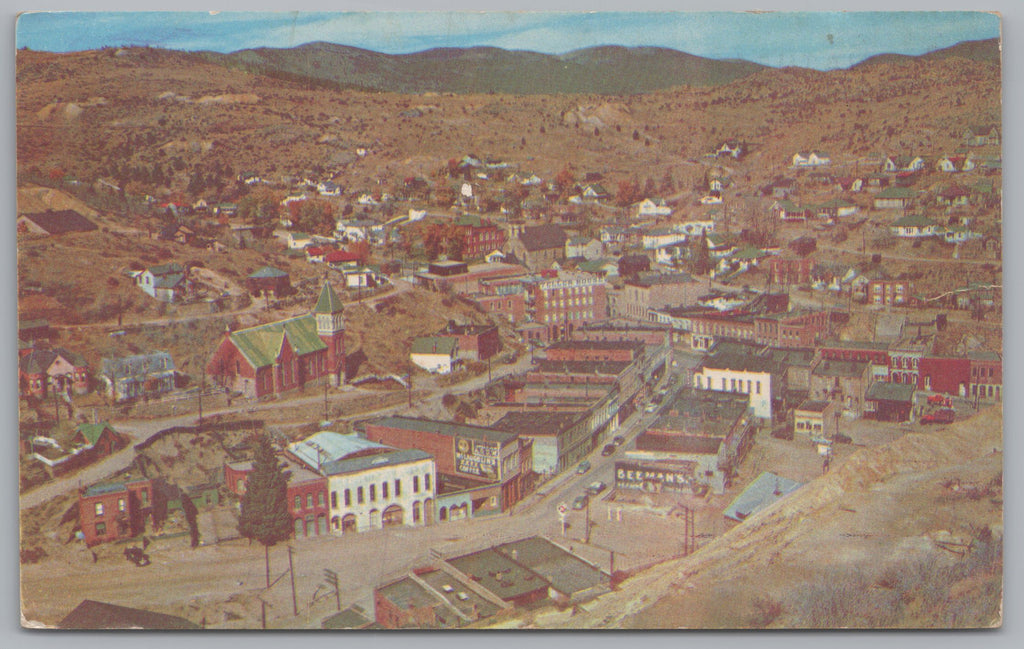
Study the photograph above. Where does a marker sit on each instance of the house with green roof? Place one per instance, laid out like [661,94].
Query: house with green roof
[284,355]
[914,226]
[894,198]
[268,281]
[435,354]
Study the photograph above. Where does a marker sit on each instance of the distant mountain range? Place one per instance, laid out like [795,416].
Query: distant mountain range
[601,70]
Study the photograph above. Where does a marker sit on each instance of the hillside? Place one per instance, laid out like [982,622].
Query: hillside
[601,70]
[874,543]
[156,122]
[985,51]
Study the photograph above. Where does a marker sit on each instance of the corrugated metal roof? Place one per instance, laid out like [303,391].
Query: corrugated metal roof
[765,490]
[327,446]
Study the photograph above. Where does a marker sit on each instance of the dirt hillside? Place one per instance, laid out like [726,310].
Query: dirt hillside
[874,543]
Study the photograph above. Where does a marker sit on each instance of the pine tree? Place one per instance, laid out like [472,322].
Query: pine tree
[264,516]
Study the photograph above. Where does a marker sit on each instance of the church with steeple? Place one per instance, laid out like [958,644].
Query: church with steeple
[286,355]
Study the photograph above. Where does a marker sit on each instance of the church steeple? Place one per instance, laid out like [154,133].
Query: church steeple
[330,326]
[329,318]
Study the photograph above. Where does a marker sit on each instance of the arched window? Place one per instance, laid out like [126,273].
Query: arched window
[298,528]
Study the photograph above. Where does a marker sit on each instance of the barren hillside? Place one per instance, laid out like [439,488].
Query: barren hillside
[905,535]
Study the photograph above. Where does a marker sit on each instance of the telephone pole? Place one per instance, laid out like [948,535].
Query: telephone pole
[291,574]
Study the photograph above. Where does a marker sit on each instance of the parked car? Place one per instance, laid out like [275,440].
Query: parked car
[618,440]
[580,502]
[608,450]
[583,467]
[651,407]
[595,487]
[943,416]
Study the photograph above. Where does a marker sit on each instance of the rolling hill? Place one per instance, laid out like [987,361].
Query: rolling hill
[602,70]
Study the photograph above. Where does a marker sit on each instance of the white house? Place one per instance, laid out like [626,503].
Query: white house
[659,237]
[585,247]
[653,207]
[294,198]
[810,159]
[166,282]
[359,230]
[669,253]
[957,233]
[741,373]
[914,226]
[299,240]
[954,164]
[695,228]
[894,164]
[435,354]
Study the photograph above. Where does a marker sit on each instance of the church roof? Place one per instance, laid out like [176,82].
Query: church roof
[261,345]
[328,301]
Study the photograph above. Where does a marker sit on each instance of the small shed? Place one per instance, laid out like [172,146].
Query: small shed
[268,281]
[889,401]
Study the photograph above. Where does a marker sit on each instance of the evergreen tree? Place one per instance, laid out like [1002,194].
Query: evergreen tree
[264,516]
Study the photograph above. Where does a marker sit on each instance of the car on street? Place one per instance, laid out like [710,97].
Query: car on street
[618,440]
[943,416]
[595,487]
[583,467]
[651,407]
[580,502]
[608,450]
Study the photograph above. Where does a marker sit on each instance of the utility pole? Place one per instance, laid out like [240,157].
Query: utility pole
[325,400]
[586,532]
[202,384]
[291,574]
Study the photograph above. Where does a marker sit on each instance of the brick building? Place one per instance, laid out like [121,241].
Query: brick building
[986,376]
[111,511]
[284,355]
[595,350]
[479,236]
[465,456]
[474,342]
[946,375]
[565,301]
[655,291]
[790,271]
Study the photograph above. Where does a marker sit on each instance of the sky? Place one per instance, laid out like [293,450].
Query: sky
[825,40]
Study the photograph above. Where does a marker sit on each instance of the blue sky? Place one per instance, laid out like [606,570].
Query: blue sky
[817,40]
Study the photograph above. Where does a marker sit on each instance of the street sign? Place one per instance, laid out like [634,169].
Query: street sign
[563,508]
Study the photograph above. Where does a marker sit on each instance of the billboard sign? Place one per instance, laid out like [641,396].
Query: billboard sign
[477,457]
[656,478]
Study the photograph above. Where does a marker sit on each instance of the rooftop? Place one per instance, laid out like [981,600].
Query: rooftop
[390,458]
[445,428]
[841,369]
[61,222]
[532,422]
[765,490]
[434,345]
[499,574]
[327,446]
[608,368]
[91,614]
[567,573]
[814,406]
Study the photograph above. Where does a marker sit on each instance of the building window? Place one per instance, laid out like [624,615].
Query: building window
[298,502]
[373,493]
[384,489]
[359,495]
[348,497]
[415,484]
[758,387]
[732,385]
[723,384]
[426,481]
[101,529]
[144,494]
[748,386]
[120,504]
[398,488]
[334,500]
[320,498]
[99,509]
[309,501]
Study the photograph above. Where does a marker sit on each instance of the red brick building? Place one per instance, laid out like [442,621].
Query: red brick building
[306,495]
[595,350]
[475,343]
[479,236]
[852,350]
[790,270]
[469,454]
[791,329]
[511,305]
[986,376]
[946,375]
[114,510]
[284,355]
[566,300]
